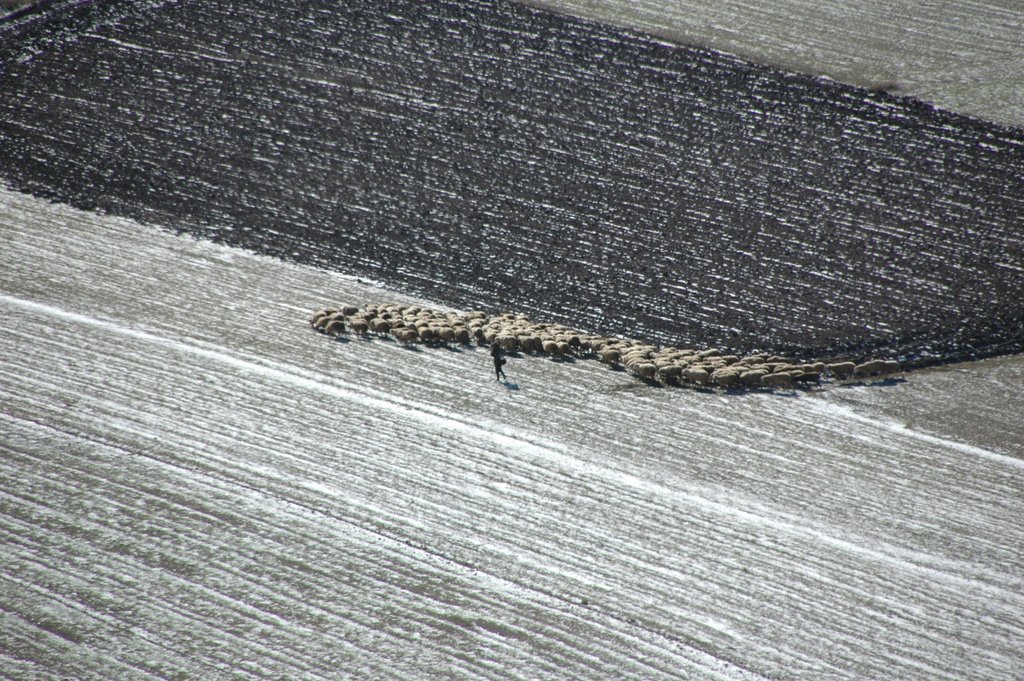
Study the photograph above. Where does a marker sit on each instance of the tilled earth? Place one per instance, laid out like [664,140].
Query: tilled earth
[494,156]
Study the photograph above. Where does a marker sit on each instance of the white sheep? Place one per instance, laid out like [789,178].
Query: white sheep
[841,370]
[869,368]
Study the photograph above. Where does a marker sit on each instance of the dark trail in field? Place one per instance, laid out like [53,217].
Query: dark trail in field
[491,155]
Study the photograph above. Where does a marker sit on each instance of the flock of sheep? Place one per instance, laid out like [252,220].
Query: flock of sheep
[516,333]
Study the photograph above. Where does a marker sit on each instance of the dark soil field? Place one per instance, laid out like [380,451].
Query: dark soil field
[488,155]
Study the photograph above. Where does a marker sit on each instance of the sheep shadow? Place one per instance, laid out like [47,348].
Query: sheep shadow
[562,359]
[790,394]
[884,382]
[888,382]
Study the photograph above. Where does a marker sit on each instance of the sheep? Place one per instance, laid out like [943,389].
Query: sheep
[405,335]
[549,346]
[409,324]
[669,373]
[334,327]
[752,377]
[841,370]
[806,376]
[317,319]
[532,343]
[640,352]
[727,377]
[777,380]
[869,368]
[644,370]
[698,376]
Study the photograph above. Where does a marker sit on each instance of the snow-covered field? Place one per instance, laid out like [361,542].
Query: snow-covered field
[962,56]
[193,484]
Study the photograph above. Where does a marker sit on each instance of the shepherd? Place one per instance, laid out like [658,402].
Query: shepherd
[497,354]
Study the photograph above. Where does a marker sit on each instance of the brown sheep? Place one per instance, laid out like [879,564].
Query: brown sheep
[405,335]
[610,356]
[669,373]
[779,380]
[696,375]
[806,376]
[752,377]
[726,377]
[335,327]
[318,318]
[644,370]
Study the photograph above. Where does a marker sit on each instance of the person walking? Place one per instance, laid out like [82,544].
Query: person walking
[498,355]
